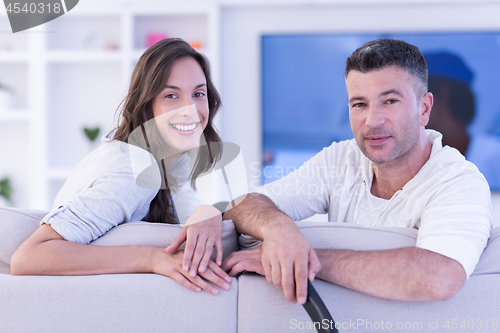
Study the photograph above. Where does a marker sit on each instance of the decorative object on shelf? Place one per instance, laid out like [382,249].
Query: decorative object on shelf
[154,37]
[95,41]
[6,97]
[5,192]
[112,47]
[91,134]
[7,46]
[196,44]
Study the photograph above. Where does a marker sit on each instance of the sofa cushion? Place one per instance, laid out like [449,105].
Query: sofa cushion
[112,303]
[354,311]
[16,225]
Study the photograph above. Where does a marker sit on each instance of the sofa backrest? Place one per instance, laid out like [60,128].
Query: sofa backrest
[489,263]
[16,225]
[345,236]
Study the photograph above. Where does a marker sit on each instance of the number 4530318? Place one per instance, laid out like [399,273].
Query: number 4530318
[34,8]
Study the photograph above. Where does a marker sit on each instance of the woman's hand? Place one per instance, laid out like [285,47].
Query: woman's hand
[202,232]
[169,264]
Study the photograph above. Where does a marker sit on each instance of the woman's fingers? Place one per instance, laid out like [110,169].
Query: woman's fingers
[219,272]
[217,276]
[189,251]
[181,238]
[181,279]
[197,280]
[206,257]
[199,252]
[218,251]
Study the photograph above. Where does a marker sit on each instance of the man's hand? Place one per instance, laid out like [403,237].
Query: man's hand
[244,260]
[289,261]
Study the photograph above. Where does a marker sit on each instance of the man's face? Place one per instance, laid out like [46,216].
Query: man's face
[386,115]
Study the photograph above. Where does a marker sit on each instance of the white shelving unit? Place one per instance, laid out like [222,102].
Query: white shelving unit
[73,72]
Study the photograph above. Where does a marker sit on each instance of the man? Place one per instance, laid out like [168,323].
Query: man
[393,173]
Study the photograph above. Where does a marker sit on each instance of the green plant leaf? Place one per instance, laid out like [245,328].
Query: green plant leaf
[91,133]
[5,189]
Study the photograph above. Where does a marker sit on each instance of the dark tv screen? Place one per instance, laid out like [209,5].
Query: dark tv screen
[304,100]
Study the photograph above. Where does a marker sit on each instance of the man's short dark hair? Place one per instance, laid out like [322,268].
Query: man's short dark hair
[382,53]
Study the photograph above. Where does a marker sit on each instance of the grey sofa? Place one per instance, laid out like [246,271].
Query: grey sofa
[152,303]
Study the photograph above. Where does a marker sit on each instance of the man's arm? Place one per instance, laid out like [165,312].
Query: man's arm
[407,274]
[288,259]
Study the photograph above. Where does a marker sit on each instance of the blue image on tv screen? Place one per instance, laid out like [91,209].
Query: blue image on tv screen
[304,99]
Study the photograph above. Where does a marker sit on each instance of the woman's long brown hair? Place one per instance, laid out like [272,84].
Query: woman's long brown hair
[148,80]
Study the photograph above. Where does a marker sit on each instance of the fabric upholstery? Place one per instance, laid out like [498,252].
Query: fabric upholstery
[16,225]
[121,303]
[108,303]
[477,301]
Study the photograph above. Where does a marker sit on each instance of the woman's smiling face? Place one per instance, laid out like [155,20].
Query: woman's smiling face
[181,108]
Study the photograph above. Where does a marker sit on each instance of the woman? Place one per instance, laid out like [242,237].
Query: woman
[140,172]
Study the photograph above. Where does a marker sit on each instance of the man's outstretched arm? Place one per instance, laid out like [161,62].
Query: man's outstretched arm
[406,274]
[288,260]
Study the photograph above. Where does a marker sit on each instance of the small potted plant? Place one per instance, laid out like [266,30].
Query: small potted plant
[5,192]
[91,134]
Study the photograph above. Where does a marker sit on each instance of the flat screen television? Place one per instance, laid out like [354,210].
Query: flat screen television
[304,100]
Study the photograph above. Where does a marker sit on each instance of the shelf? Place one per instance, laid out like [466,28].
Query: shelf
[84,32]
[83,56]
[15,77]
[15,115]
[192,28]
[13,56]
[74,75]
[10,42]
